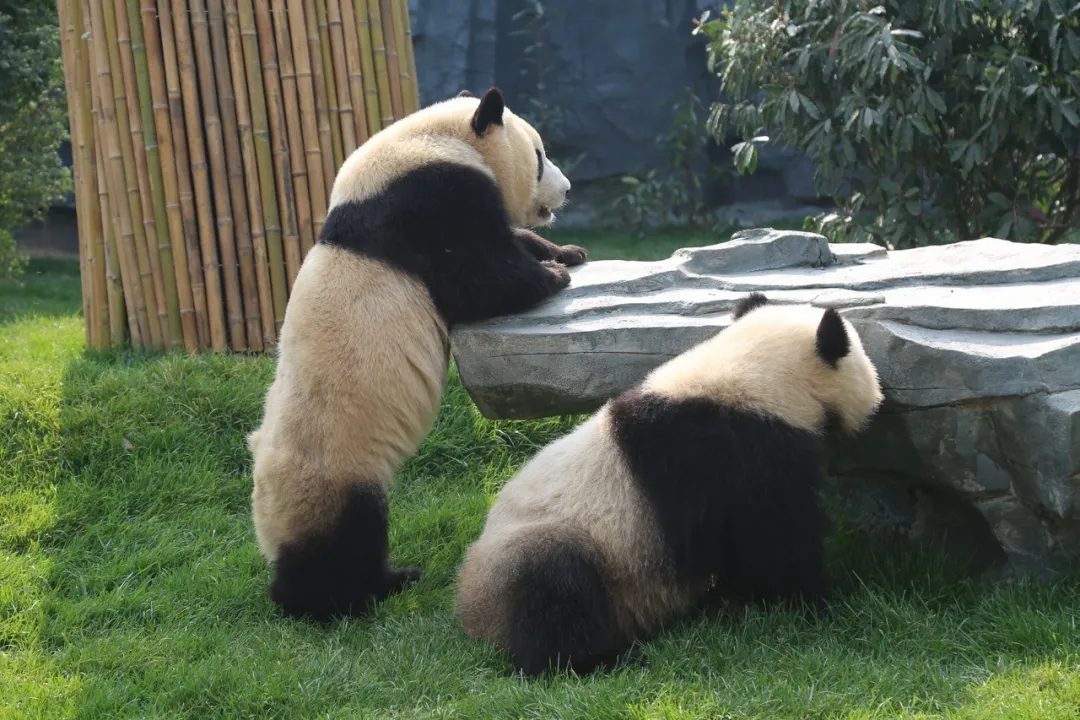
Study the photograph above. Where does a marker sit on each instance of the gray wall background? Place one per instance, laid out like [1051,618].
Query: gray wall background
[616,70]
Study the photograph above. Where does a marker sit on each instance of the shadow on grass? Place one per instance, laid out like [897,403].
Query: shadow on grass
[46,288]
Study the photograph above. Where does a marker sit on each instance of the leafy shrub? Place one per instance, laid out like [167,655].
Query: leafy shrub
[33,119]
[672,195]
[928,120]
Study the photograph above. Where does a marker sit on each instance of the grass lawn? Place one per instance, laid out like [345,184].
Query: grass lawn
[131,587]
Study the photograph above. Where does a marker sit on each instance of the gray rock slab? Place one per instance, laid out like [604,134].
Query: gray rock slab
[977,344]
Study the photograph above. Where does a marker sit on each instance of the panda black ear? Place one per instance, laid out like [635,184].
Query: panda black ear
[490,111]
[748,303]
[832,341]
[465,93]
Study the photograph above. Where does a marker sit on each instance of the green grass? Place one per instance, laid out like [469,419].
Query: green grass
[131,587]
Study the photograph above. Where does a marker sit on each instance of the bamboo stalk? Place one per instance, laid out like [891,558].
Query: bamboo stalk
[90,209]
[185,174]
[353,68]
[382,78]
[333,107]
[400,12]
[163,131]
[349,117]
[164,249]
[367,67]
[133,241]
[261,272]
[118,185]
[390,34]
[114,290]
[66,28]
[308,124]
[294,135]
[120,304]
[159,245]
[412,97]
[234,167]
[273,214]
[200,174]
[215,147]
[322,102]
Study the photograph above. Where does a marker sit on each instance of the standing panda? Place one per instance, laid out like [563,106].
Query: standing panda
[424,231]
[706,471]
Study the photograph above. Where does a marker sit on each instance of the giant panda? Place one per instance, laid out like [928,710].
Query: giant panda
[703,473]
[425,230]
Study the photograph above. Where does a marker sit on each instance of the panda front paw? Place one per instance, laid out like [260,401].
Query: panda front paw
[571,255]
[559,272]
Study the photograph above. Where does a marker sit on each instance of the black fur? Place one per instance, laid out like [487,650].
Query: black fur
[465,93]
[747,304]
[447,226]
[832,339]
[560,612]
[539,166]
[343,570]
[489,112]
[542,249]
[734,493]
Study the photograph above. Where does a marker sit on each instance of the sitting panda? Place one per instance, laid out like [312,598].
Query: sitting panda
[704,472]
[424,231]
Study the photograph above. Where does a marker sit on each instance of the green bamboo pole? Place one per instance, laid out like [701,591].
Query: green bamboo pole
[264,160]
[266,333]
[172,330]
[164,132]
[190,173]
[333,106]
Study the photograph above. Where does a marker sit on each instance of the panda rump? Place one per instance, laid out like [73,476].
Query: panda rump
[425,230]
[701,479]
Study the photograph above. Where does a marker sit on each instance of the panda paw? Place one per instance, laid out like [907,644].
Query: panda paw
[397,579]
[571,255]
[560,273]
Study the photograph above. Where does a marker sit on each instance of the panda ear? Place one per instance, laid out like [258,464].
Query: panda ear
[748,303]
[465,93]
[832,342]
[489,112]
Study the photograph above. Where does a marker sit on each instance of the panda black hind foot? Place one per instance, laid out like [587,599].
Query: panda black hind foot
[560,612]
[342,570]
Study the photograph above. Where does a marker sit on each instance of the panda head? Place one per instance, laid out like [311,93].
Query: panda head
[532,185]
[802,364]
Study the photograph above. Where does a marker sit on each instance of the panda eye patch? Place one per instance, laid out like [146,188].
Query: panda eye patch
[539,165]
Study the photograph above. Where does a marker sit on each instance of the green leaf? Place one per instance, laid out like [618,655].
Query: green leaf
[921,125]
[1005,228]
[1070,114]
[935,100]
[998,199]
[914,207]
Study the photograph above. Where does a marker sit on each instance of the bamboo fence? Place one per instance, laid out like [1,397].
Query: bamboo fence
[206,135]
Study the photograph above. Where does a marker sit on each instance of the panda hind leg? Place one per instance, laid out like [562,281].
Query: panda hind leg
[343,570]
[559,612]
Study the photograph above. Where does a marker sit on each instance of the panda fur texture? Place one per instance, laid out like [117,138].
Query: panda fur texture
[705,472]
[424,231]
